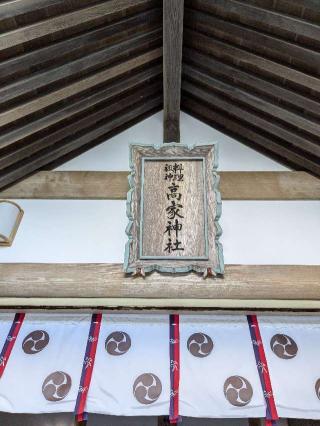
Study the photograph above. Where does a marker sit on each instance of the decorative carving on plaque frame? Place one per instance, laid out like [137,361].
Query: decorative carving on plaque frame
[173,207]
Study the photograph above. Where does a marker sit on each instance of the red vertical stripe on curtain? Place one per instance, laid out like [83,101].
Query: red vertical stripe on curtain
[174,416]
[10,341]
[87,368]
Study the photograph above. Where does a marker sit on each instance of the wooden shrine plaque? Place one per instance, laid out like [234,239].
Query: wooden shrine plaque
[173,208]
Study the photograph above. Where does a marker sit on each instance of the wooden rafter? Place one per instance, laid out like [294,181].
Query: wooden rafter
[114,186]
[86,72]
[66,21]
[172,66]
[251,70]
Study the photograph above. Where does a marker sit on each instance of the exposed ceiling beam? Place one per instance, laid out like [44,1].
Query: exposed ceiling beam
[105,285]
[172,66]
[93,185]
[251,71]
[73,19]
[87,73]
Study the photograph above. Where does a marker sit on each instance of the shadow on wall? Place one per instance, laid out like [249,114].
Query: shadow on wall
[67,419]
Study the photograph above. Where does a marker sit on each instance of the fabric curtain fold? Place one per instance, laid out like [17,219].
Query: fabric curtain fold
[160,365]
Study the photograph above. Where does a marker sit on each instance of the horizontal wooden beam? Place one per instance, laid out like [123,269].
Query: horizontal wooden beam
[186,306]
[114,186]
[269,186]
[105,285]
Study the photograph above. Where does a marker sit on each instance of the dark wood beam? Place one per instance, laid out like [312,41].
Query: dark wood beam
[172,66]
[20,134]
[299,56]
[67,145]
[86,42]
[73,89]
[258,17]
[251,62]
[242,103]
[251,70]
[68,21]
[302,422]
[82,71]
[280,422]
[101,112]
[163,421]
[247,134]
[74,69]
[253,83]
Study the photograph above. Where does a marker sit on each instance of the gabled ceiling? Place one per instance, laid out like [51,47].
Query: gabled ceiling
[75,72]
[252,69]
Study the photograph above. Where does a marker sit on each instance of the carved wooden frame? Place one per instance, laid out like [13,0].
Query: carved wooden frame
[213,263]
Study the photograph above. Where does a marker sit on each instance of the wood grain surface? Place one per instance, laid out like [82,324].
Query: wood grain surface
[213,260]
[59,23]
[244,282]
[73,70]
[172,66]
[252,70]
[192,235]
[92,185]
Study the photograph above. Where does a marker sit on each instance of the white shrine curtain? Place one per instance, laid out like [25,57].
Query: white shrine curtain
[124,364]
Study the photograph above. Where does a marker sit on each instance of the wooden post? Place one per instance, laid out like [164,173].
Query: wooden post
[172,66]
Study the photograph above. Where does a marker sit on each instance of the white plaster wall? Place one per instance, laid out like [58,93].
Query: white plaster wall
[94,231]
